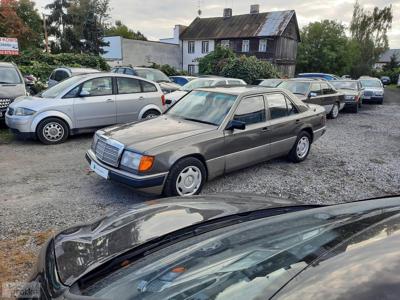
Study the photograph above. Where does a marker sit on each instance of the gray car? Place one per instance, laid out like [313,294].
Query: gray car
[12,86]
[316,91]
[62,73]
[352,92]
[208,133]
[84,103]
[373,90]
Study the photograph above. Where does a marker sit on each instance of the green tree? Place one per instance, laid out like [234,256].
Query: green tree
[214,62]
[21,20]
[122,30]
[369,29]
[325,48]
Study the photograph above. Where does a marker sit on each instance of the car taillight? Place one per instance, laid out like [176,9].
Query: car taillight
[163,100]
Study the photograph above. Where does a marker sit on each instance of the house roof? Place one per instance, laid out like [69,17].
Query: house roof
[385,56]
[240,26]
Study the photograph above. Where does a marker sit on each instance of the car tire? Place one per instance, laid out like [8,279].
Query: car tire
[52,131]
[186,178]
[151,113]
[334,113]
[380,102]
[301,148]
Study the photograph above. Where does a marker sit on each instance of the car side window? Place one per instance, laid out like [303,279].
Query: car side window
[98,87]
[128,85]
[148,87]
[292,110]
[72,93]
[60,75]
[234,82]
[251,110]
[326,89]
[129,71]
[53,75]
[316,89]
[221,83]
[280,106]
[120,71]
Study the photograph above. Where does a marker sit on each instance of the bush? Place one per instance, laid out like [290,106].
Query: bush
[249,69]
[223,62]
[167,69]
[393,74]
[41,64]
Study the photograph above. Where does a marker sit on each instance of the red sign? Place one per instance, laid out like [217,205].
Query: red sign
[9,46]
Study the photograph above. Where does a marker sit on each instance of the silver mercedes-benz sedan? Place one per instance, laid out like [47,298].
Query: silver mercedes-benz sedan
[208,133]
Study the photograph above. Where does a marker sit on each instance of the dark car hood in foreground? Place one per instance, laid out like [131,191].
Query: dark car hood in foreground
[83,248]
[151,133]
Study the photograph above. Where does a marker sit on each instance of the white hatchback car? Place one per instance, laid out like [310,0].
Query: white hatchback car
[84,103]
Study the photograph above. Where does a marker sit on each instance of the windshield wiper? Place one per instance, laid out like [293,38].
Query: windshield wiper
[200,121]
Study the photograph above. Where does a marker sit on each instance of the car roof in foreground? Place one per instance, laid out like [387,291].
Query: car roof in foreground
[7,64]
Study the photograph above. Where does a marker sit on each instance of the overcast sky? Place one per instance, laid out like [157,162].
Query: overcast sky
[156,18]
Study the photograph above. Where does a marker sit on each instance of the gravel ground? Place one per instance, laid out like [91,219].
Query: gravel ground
[49,187]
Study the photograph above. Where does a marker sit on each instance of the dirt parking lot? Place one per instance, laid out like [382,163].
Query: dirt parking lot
[45,188]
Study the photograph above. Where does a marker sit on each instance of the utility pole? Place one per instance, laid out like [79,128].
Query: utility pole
[46,38]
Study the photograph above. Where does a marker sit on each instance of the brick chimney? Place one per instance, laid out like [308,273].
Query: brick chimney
[227,12]
[254,9]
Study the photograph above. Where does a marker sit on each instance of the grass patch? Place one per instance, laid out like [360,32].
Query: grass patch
[18,256]
[392,86]
[6,136]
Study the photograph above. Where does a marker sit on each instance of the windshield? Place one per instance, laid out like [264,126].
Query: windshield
[56,90]
[370,83]
[9,76]
[297,88]
[203,107]
[152,74]
[197,83]
[270,82]
[251,260]
[345,85]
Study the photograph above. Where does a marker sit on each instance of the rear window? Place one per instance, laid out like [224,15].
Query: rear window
[9,76]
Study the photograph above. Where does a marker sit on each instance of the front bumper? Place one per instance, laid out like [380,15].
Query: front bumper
[373,98]
[21,124]
[153,184]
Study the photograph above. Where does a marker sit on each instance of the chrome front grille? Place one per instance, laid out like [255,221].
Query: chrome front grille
[5,102]
[108,151]
[368,93]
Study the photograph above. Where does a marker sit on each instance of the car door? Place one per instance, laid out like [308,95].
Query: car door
[284,122]
[314,95]
[246,147]
[129,99]
[330,95]
[95,105]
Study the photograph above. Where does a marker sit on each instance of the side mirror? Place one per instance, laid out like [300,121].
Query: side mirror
[84,94]
[312,94]
[235,124]
[168,101]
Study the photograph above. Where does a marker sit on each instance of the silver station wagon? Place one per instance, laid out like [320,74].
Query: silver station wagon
[208,133]
[84,103]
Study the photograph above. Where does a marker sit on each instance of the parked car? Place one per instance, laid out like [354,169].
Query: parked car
[271,82]
[181,80]
[213,247]
[60,74]
[12,86]
[385,80]
[346,77]
[166,84]
[171,98]
[208,133]
[352,92]
[373,90]
[84,103]
[318,75]
[316,92]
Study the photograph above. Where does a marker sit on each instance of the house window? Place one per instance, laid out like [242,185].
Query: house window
[225,43]
[191,47]
[191,69]
[245,46]
[204,47]
[262,47]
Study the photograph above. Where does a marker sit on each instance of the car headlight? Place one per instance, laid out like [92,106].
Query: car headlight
[22,111]
[378,93]
[349,97]
[137,162]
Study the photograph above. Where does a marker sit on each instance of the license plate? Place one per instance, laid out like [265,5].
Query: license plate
[99,170]
[367,97]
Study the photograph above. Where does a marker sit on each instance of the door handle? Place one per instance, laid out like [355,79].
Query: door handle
[264,129]
[141,98]
[297,121]
[109,100]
